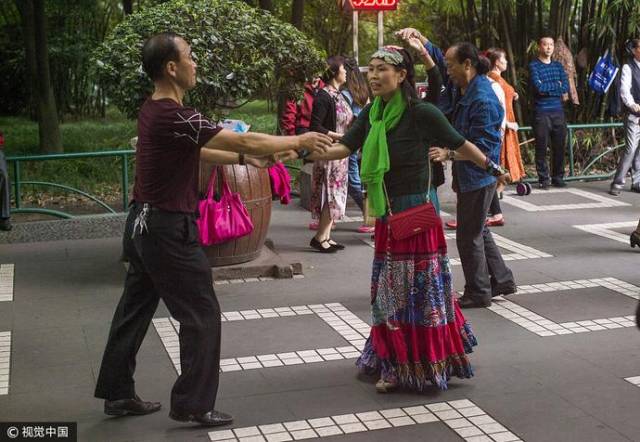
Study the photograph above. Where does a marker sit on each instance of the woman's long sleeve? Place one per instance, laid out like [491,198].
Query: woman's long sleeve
[434,85]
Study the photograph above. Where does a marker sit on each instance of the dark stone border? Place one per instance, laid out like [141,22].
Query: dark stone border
[85,227]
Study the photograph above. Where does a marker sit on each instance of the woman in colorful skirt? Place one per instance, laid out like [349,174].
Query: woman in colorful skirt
[419,335]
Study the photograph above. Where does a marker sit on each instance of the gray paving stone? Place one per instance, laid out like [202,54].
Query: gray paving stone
[576,305]
[65,294]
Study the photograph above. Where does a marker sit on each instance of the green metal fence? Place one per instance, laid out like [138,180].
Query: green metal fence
[17,161]
[571,128]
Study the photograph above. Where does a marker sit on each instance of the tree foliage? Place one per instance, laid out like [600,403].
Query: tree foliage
[241,52]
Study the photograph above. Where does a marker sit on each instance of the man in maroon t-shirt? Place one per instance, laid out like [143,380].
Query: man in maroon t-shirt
[161,238]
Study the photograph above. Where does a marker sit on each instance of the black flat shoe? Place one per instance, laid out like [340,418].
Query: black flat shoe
[335,245]
[135,406]
[468,302]
[318,245]
[634,239]
[211,418]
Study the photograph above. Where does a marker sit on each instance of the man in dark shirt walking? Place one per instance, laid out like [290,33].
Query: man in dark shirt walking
[161,239]
[549,82]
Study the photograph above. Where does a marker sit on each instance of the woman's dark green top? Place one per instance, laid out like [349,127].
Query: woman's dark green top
[422,125]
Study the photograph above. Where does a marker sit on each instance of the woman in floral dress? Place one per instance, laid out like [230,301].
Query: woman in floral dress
[332,116]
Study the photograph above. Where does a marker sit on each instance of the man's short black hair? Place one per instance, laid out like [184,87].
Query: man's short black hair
[157,51]
[546,34]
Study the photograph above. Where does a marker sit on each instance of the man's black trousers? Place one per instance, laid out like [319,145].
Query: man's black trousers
[482,264]
[550,129]
[165,261]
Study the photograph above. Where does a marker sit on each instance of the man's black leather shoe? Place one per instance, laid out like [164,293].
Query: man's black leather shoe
[135,406]
[211,418]
[634,239]
[468,302]
[503,290]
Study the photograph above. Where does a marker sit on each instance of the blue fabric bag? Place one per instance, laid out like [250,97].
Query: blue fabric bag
[603,74]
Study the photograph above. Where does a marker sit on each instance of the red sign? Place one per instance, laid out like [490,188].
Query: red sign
[374,5]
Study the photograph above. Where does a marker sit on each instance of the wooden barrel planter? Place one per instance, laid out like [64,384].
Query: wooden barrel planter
[255,189]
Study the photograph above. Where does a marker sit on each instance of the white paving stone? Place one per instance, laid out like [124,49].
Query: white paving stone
[473,428]
[6,282]
[328,431]
[167,329]
[599,201]
[605,230]
[635,380]
[353,428]
[278,437]
[5,362]
[546,328]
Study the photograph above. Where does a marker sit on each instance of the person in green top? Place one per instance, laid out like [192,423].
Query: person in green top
[419,335]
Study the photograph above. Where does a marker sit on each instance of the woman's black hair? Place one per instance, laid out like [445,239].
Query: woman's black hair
[494,54]
[408,86]
[467,51]
[333,67]
[356,82]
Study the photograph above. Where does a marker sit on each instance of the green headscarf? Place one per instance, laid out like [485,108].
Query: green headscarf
[375,152]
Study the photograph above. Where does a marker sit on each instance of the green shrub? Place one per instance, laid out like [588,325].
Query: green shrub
[242,53]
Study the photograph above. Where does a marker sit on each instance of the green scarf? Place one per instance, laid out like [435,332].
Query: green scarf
[375,152]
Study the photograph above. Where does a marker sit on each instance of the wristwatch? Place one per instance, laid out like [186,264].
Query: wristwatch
[451,154]
[303,153]
[494,169]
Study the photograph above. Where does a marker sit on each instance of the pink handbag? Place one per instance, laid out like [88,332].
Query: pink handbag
[224,220]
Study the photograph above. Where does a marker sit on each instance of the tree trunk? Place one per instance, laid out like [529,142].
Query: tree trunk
[513,76]
[470,21]
[297,13]
[127,6]
[540,19]
[49,128]
[266,4]
[28,30]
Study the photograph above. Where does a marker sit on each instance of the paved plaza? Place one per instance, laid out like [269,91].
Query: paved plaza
[559,361]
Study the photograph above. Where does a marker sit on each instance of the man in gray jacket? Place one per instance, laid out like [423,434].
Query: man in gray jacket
[630,95]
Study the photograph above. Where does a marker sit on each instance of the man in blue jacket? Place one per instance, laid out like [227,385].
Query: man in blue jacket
[477,115]
[549,84]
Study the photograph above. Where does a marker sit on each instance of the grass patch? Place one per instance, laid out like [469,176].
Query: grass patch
[98,176]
